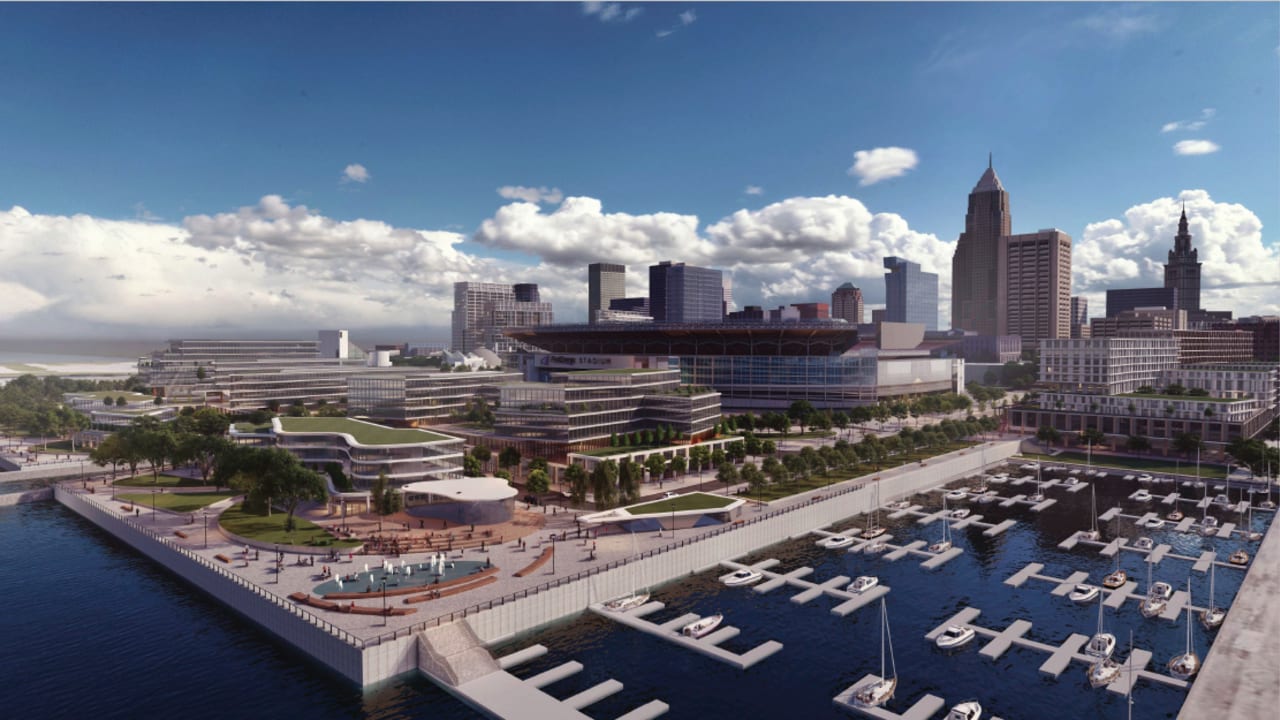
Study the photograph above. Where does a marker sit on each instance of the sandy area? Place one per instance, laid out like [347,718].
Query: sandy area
[123,367]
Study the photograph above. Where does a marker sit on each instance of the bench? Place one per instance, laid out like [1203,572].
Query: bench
[180,534]
[223,558]
[539,562]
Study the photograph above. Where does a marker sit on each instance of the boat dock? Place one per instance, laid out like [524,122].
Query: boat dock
[991,529]
[1060,656]
[810,590]
[923,709]
[502,694]
[1114,598]
[670,631]
[1154,556]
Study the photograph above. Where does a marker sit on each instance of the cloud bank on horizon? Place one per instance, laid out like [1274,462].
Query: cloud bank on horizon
[276,265]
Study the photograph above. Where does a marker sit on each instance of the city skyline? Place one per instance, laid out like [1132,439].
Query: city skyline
[311,195]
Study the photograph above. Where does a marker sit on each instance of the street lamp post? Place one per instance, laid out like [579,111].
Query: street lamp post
[553,553]
[384,602]
[153,506]
[278,568]
[205,515]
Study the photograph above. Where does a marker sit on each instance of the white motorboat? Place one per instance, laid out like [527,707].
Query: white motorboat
[1199,483]
[1239,557]
[956,494]
[1130,477]
[874,532]
[1154,523]
[960,513]
[1212,616]
[743,577]
[1084,593]
[878,691]
[1174,516]
[1188,663]
[876,547]
[970,710]
[1144,543]
[1101,474]
[900,505]
[862,584]
[1219,488]
[835,542]
[1073,480]
[627,602]
[1074,472]
[1208,525]
[955,636]
[1142,496]
[1000,479]
[1145,478]
[1103,643]
[702,626]
[1221,500]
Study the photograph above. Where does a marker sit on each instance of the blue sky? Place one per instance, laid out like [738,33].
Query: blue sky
[142,116]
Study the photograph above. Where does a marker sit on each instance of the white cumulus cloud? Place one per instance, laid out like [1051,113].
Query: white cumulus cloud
[872,166]
[1238,272]
[1190,125]
[1196,147]
[531,194]
[610,11]
[355,172]
[754,190]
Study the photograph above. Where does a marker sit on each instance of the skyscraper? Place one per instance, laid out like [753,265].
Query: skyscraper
[605,282]
[1079,310]
[1037,286]
[846,302]
[481,311]
[976,302]
[910,294]
[1183,269]
[680,293]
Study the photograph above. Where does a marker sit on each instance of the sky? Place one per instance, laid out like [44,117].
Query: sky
[245,169]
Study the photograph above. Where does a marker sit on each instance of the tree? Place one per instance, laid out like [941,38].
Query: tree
[769,447]
[538,482]
[202,450]
[298,484]
[109,452]
[1187,443]
[481,453]
[1137,443]
[656,465]
[509,457]
[210,422]
[108,401]
[1175,389]
[629,474]
[576,476]
[471,466]
[678,465]
[1048,434]
[200,373]
[604,484]
[718,457]
[73,422]
[737,451]
[751,475]
[800,412]
[727,473]
[1092,436]
[157,446]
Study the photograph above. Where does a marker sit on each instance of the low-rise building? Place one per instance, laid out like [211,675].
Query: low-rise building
[366,450]
[1105,366]
[423,398]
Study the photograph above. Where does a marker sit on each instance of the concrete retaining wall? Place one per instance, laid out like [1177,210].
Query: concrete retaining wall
[27,496]
[307,632]
[517,616]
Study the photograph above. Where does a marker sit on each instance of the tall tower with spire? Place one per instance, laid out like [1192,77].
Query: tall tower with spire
[1183,269]
[976,280]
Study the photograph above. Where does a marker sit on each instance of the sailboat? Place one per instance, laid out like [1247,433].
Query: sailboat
[945,542]
[874,530]
[1039,496]
[1249,533]
[1103,643]
[880,690]
[1188,663]
[1268,504]
[633,600]
[1212,616]
[1117,578]
[1092,533]
[1157,596]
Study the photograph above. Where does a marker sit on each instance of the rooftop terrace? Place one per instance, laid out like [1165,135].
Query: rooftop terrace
[363,432]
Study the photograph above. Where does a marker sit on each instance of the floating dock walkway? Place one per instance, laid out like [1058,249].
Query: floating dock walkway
[1154,556]
[809,590]
[1060,656]
[1114,598]
[670,631]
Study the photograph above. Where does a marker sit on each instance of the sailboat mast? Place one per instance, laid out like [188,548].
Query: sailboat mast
[1129,692]
[884,622]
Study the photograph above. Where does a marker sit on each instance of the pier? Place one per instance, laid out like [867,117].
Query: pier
[670,632]
[1060,656]
[1154,556]
[809,590]
[923,709]
[1114,598]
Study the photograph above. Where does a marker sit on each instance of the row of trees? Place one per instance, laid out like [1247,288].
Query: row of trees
[802,413]
[195,436]
[270,477]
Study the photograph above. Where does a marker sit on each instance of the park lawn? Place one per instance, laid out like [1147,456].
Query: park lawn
[687,501]
[1152,465]
[145,480]
[62,446]
[176,502]
[270,529]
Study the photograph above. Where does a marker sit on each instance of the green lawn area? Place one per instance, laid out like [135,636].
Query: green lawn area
[61,446]
[144,480]
[177,502]
[129,396]
[248,427]
[1152,465]
[270,529]
[364,433]
[687,501]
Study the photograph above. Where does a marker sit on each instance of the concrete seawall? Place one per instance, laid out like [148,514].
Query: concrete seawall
[517,616]
[27,496]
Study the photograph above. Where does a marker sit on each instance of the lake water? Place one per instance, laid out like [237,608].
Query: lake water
[102,631]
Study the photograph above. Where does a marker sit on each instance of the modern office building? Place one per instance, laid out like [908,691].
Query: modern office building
[1183,269]
[1197,347]
[1037,286]
[846,304]
[334,344]
[1079,316]
[606,282]
[365,450]
[1119,301]
[582,410]
[680,293]
[405,399]
[911,295]
[974,348]
[975,267]
[1105,366]
[1265,331]
[727,305]
[482,310]
[756,365]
